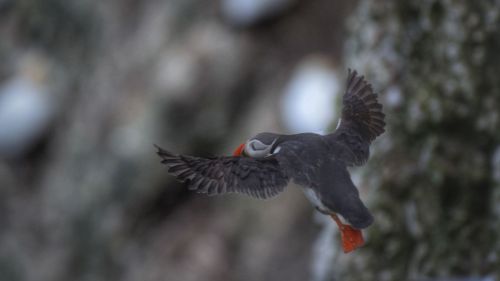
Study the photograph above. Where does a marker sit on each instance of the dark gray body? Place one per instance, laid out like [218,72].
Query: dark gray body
[315,162]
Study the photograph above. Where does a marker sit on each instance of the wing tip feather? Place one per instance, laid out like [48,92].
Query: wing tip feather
[360,92]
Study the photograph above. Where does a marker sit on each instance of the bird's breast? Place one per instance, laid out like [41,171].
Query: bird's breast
[313,197]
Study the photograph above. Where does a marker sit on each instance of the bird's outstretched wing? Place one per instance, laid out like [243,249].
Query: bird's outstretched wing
[259,178]
[361,122]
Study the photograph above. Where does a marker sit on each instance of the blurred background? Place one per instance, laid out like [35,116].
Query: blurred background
[87,87]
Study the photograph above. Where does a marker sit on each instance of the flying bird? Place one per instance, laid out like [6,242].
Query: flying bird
[264,165]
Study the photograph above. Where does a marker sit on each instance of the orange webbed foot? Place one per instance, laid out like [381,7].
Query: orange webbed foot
[351,238]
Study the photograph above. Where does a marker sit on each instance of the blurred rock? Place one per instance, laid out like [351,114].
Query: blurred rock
[97,204]
[472,278]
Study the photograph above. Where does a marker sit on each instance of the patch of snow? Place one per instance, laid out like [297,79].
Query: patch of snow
[309,100]
[176,71]
[411,220]
[249,12]
[324,250]
[495,162]
[25,112]
[393,96]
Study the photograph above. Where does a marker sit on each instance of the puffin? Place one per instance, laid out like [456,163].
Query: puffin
[263,166]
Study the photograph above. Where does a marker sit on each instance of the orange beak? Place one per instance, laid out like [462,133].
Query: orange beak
[239,150]
[351,238]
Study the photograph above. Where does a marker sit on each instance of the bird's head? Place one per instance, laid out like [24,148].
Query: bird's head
[259,146]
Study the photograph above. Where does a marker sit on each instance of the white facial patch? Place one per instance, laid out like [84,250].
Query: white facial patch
[276,150]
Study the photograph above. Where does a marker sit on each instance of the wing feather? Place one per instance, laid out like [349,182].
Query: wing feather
[259,178]
[361,122]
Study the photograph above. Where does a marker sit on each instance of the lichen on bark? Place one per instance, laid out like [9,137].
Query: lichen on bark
[434,191]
